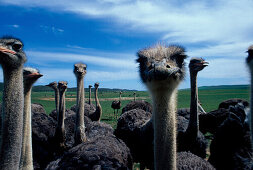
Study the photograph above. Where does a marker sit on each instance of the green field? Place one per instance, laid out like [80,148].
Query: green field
[210,97]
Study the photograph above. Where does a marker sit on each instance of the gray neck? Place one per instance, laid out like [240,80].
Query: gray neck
[56,92]
[164,122]
[80,135]
[90,96]
[12,118]
[26,161]
[193,126]
[251,107]
[98,106]
[60,129]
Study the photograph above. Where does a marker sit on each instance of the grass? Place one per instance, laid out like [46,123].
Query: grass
[209,97]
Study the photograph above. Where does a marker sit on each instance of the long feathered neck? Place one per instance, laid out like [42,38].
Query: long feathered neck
[90,96]
[164,122]
[98,106]
[80,126]
[56,92]
[12,118]
[251,105]
[60,129]
[193,126]
[26,161]
[119,96]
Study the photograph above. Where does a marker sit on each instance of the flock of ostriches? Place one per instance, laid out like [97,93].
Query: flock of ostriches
[158,136]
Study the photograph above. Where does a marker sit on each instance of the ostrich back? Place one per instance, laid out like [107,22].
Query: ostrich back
[232,102]
[37,108]
[138,104]
[189,161]
[43,129]
[116,104]
[88,109]
[231,146]
[98,153]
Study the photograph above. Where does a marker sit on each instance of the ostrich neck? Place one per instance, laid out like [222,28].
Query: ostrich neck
[56,92]
[164,120]
[61,114]
[90,96]
[98,106]
[26,161]
[80,127]
[251,106]
[119,97]
[12,118]
[193,126]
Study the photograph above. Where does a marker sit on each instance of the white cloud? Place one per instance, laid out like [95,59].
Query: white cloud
[15,26]
[218,30]
[91,75]
[189,21]
[218,22]
[43,57]
[228,50]
[225,68]
[52,29]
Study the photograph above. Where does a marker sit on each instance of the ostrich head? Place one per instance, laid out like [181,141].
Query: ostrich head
[31,74]
[249,59]
[162,66]
[62,86]
[11,52]
[53,85]
[197,64]
[80,69]
[96,85]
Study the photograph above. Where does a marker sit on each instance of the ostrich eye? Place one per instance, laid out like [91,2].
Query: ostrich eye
[26,72]
[17,46]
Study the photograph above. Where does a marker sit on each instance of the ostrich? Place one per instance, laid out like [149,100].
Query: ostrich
[80,71]
[100,149]
[12,59]
[209,122]
[138,104]
[116,104]
[96,116]
[55,112]
[135,126]
[90,86]
[53,85]
[232,102]
[250,65]
[231,145]
[59,137]
[162,69]
[37,108]
[191,139]
[30,76]
[99,153]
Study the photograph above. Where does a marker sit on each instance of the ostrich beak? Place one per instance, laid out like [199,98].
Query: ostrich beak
[204,63]
[5,50]
[35,75]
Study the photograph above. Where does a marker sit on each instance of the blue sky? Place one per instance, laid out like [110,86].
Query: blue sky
[106,34]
